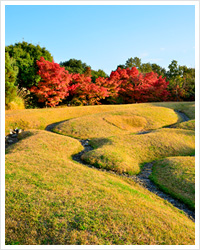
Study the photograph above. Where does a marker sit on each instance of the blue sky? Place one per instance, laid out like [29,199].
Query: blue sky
[106,36]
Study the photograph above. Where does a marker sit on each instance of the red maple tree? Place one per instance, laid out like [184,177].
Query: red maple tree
[84,92]
[133,86]
[53,87]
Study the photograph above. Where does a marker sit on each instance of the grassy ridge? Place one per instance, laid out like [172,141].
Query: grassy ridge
[189,125]
[176,175]
[126,153]
[131,119]
[186,107]
[40,118]
[52,200]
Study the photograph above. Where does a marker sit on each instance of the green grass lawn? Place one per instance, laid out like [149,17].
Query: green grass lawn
[176,175]
[51,199]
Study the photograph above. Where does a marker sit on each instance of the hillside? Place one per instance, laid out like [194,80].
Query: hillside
[51,199]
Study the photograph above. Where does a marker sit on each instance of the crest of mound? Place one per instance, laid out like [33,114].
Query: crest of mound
[103,125]
[132,123]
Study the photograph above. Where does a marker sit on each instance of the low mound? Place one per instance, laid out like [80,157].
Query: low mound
[87,127]
[127,153]
[131,123]
[52,200]
[187,125]
[136,118]
[40,118]
[176,175]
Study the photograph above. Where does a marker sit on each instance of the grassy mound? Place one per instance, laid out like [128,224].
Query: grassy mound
[132,119]
[127,153]
[176,175]
[40,118]
[190,125]
[131,123]
[186,107]
[52,200]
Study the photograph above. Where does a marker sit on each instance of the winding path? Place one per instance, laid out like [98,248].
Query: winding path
[143,177]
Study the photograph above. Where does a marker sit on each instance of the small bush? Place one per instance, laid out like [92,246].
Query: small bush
[17,103]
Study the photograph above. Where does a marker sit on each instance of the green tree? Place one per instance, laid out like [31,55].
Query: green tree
[133,62]
[75,66]
[121,66]
[188,76]
[99,73]
[26,55]
[145,68]
[10,78]
[158,69]
[181,81]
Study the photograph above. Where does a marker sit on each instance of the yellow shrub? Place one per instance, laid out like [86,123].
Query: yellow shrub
[17,103]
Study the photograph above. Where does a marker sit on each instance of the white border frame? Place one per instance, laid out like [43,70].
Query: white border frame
[197,73]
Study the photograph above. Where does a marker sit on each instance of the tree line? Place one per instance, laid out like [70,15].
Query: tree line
[30,70]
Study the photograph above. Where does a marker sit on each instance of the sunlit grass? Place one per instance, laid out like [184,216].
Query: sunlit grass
[40,118]
[127,153]
[51,199]
[187,125]
[134,118]
[186,107]
[176,175]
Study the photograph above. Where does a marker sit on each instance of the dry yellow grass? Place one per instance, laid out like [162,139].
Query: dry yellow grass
[190,125]
[40,118]
[52,200]
[176,175]
[127,153]
[186,107]
[132,118]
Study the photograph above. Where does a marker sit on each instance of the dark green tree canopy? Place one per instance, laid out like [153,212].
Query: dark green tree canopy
[75,66]
[133,62]
[158,69]
[95,74]
[145,68]
[182,80]
[26,55]
[10,78]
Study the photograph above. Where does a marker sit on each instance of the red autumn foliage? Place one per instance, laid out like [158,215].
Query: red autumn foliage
[134,87]
[124,85]
[53,87]
[84,91]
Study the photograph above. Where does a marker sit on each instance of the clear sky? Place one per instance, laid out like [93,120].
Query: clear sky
[106,36]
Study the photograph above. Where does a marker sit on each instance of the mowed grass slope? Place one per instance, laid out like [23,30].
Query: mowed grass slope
[128,153]
[176,175]
[134,118]
[116,145]
[186,107]
[40,118]
[189,125]
[51,199]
